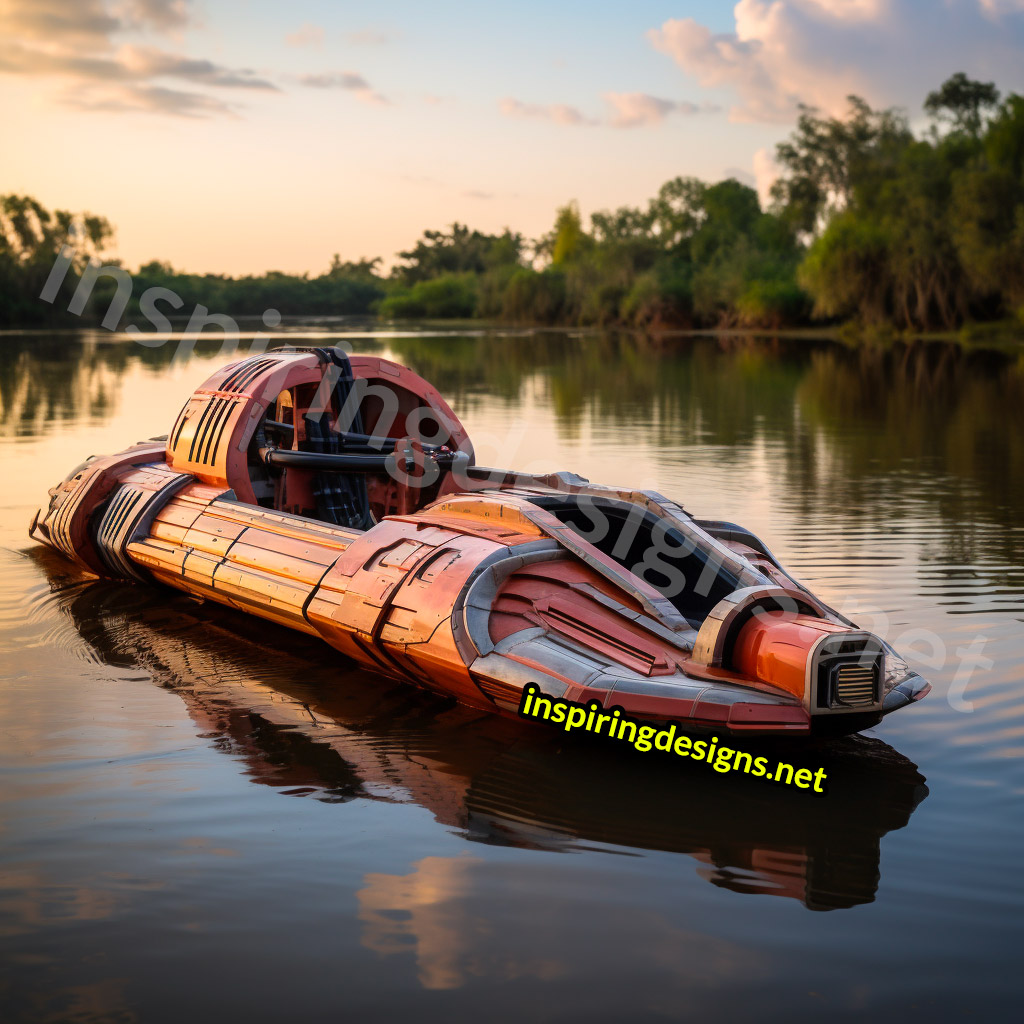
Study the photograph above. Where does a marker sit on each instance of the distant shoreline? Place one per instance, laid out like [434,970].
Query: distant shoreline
[995,334]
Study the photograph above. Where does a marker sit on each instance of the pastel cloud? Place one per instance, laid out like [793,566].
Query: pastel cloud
[784,52]
[347,80]
[128,64]
[560,113]
[84,23]
[88,23]
[150,99]
[633,109]
[625,110]
[147,62]
[166,15]
[75,42]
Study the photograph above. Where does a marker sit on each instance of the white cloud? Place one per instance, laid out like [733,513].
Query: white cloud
[148,99]
[998,7]
[340,80]
[146,62]
[129,63]
[307,34]
[75,41]
[632,109]
[85,23]
[166,15]
[784,52]
[560,113]
[348,80]
[625,110]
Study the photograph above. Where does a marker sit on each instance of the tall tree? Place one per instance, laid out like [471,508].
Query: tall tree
[962,103]
[568,235]
[827,158]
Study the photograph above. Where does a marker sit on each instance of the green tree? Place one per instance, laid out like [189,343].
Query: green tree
[962,102]
[677,211]
[568,237]
[31,237]
[458,250]
[359,270]
[827,159]
[846,270]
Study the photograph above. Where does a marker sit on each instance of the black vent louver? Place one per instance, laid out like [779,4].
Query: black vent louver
[848,673]
[246,372]
[209,433]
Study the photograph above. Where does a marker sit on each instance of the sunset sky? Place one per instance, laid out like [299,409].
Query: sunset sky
[234,136]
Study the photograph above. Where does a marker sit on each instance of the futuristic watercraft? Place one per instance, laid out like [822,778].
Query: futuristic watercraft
[299,725]
[339,496]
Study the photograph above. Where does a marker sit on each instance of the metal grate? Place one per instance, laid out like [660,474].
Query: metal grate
[121,513]
[855,685]
[128,514]
[210,430]
[246,372]
[849,668]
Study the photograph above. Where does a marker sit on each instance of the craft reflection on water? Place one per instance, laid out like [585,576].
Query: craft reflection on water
[273,700]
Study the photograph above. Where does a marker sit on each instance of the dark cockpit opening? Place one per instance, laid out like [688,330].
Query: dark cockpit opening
[338,449]
[297,454]
[685,571]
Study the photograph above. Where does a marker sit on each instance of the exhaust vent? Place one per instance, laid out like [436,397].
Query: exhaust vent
[128,515]
[848,672]
[210,431]
[855,685]
[245,373]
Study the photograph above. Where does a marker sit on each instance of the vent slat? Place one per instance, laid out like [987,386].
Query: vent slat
[245,373]
[179,426]
[855,685]
[221,428]
[253,373]
[200,430]
[122,506]
[214,427]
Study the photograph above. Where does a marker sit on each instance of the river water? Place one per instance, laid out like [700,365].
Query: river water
[202,817]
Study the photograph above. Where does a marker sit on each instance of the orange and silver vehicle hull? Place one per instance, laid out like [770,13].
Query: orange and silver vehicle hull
[391,545]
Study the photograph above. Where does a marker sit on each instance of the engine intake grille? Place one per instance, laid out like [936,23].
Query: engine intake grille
[849,672]
[855,684]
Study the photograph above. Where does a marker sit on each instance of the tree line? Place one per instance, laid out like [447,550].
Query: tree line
[867,222]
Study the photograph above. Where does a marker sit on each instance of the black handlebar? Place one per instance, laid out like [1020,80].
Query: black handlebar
[346,462]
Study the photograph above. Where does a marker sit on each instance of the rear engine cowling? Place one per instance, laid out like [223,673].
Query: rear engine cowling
[832,669]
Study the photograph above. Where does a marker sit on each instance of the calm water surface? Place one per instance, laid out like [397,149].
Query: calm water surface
[206,818]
